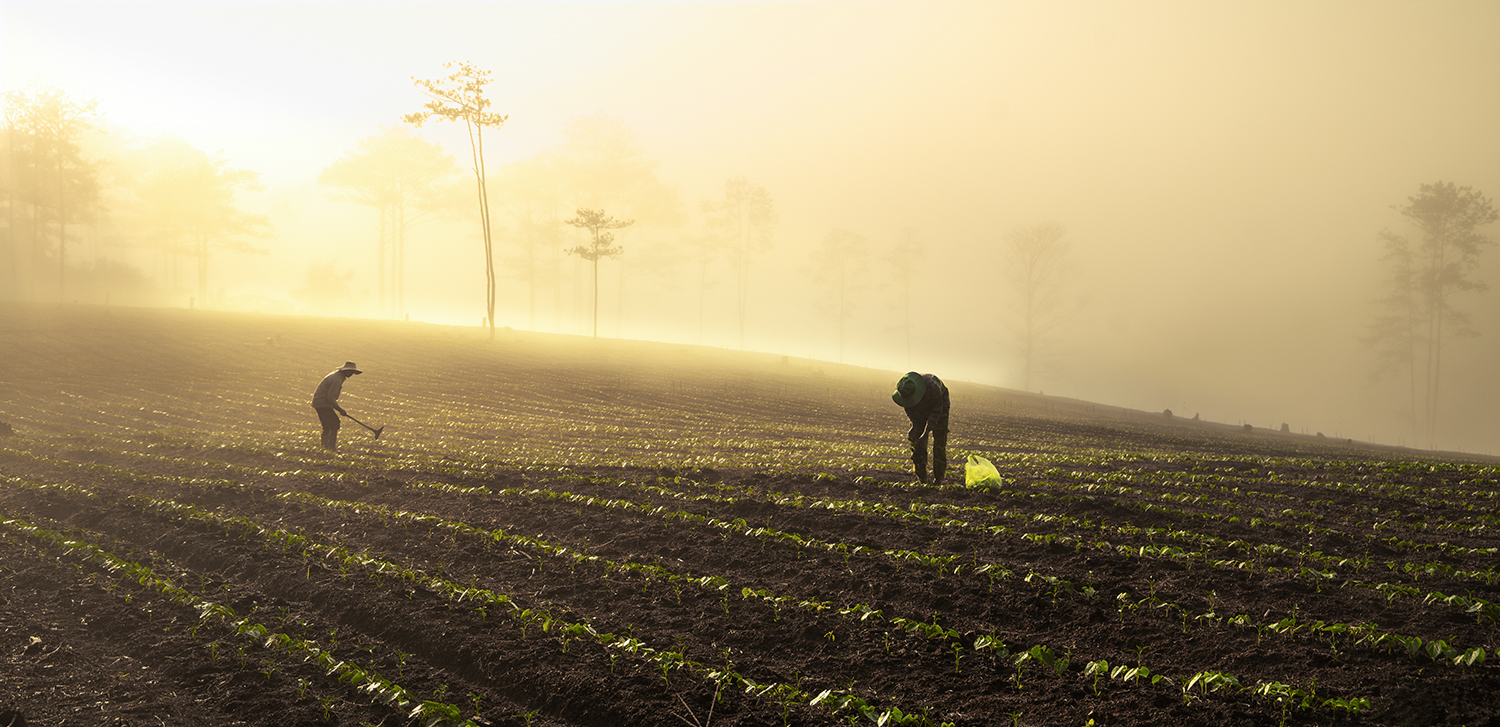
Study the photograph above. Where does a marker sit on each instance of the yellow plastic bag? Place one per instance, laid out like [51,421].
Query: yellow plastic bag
[978,472]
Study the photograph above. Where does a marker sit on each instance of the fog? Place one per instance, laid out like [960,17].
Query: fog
[1222,171]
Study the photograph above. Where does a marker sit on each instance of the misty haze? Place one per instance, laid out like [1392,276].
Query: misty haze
[845,182]
[603,362]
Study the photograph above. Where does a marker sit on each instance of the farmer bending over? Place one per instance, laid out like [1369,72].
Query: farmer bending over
[926,402]
[326,401]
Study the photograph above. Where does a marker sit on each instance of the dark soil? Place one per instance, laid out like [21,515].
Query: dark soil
[1088,501]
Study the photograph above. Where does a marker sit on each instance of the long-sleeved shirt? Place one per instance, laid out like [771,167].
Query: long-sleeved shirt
[327,393]
[932,409]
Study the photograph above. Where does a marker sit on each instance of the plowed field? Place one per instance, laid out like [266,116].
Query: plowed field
[560,531]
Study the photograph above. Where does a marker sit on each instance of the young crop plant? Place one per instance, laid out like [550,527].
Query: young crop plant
[1046,657]
[914,511]
[1210,682]
[428,713]
[1098,671]
[1315,575]
[663,660]
[1164,539]
[714,583]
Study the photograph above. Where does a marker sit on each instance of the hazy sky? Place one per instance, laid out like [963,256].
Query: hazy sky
[1223,168]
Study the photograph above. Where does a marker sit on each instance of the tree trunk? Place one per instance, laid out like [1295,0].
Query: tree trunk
[843,288]
[62,257]
[531,265]
[1435,372]
[380,253]
[476,148]
[202,246]
[36,222]
[400,274]
[702,292]
[1028,338]
[62,230]
[906,312]
[10,211]
[489,247]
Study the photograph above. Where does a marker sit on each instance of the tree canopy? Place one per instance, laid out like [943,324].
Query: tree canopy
[600,226]
[1420,312]
[1037,270]
[839,268]
[185,206]
[46,181]
[460,97]
[745,220]
[406,179]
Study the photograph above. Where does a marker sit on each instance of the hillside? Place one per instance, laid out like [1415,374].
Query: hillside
[533,397]
[558,532]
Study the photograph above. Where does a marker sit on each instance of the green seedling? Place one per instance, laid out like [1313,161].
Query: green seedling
[1098,670]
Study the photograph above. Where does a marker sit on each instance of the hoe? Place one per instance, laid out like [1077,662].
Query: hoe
[366,426]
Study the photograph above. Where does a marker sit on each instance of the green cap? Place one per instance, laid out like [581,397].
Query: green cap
[909,390]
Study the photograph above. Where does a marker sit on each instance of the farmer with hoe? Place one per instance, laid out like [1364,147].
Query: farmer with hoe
[326,401]
[925,399]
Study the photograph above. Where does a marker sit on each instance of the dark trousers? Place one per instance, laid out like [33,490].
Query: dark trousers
[938,428]
[330,419]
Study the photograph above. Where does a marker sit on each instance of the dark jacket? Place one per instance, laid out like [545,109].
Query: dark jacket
[931,413]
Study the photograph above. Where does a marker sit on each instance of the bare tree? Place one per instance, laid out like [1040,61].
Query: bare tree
[1420,312]
[603,166]
[838,269]
[745,220]
[460,97]
[403,177]
[599,225]
[1037,272]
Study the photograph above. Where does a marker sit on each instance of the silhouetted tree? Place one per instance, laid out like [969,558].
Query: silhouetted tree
[460,97]
[324,289]
[904,260]
[838,269]
[1394,332]
[745,220]
[533,193]
[601,165]
[48,176]
[185,205]
[599,225]
[1426,275]
[21,187]
[1037,270]
[702,250]
[404,178]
